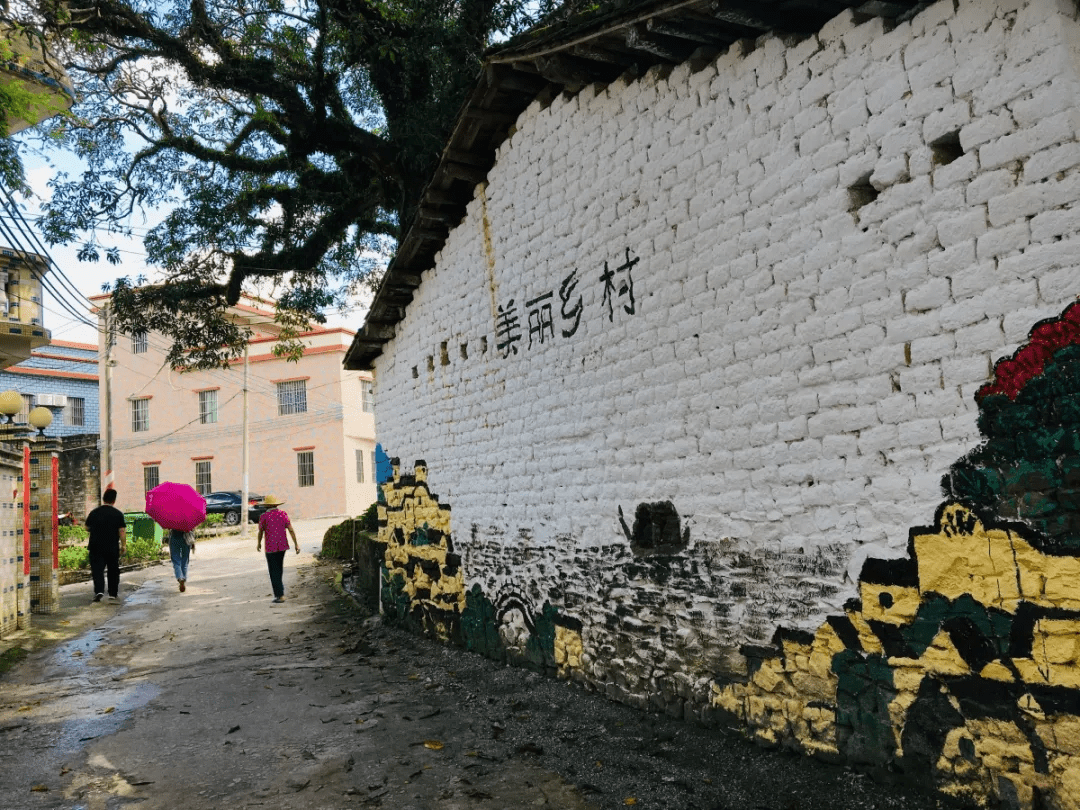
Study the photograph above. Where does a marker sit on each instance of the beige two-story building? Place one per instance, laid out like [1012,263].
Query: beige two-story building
[310,424]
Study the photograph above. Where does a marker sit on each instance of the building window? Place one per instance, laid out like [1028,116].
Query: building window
[202,478]
[305,468]
[75,412]
[360,466]
[367,396]
[208,407]
[140,415]
[151,476]
[139,343]
[23,416]
[291,397]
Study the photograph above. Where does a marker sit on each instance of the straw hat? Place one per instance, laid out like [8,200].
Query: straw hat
[270,500]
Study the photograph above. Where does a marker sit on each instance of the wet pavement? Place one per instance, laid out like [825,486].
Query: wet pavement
[217,698]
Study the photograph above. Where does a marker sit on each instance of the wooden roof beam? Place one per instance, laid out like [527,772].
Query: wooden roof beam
[573,71]
[520,77]
[494,117]
[385,311]
[883,8]
[754,16]
[701,32]
[606,55]
[464,171]
[667,48]
[438,196]
[376,333]
[441,216]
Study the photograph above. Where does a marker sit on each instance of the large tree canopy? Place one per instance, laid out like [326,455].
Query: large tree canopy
[289,140]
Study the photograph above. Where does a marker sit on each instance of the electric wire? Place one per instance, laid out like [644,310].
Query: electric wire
[18,244]
[35,246]
[16,215]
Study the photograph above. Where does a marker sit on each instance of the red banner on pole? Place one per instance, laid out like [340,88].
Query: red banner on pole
[26,508]
[55,510]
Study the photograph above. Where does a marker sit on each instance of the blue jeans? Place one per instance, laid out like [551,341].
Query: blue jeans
[180,552]
[275,561]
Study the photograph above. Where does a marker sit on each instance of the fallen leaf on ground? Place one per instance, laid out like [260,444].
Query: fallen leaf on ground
[40,788]
[109,710]
[434,745]
[630,800]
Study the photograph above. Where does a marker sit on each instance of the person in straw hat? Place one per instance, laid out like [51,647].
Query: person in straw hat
[273,524]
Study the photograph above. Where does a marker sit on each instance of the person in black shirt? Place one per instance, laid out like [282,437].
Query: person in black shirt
[108,542]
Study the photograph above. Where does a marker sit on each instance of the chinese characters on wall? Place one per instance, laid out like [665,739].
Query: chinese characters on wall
[535,323]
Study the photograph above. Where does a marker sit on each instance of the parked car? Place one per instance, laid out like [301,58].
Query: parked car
[227,503]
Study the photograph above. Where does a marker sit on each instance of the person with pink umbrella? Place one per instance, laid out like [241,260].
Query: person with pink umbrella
[178,508]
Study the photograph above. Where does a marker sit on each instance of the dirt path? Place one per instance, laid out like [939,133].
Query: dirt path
[217,698]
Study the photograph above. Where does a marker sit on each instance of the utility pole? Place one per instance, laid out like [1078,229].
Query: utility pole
[244,491]
[107,431]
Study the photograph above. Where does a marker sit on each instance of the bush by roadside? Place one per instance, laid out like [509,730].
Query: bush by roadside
[140,549]
[73,558]
[70,535]
[74,555]
[211,522]
[352,540]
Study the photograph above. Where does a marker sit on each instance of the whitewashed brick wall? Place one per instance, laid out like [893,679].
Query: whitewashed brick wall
[797,375]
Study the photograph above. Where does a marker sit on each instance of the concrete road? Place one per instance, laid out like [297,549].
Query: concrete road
[217,698]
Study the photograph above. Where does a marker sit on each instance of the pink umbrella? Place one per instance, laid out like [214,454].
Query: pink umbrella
[176,506]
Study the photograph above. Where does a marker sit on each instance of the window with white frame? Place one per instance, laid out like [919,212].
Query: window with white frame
[23,416]
[151,476]
[75,412]
[367,396]
[305,468]
[360,466]
[140,415]
[207,407]
[291,397]
[202,478]
[139,343]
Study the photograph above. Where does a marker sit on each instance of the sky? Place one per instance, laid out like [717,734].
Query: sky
[89,277]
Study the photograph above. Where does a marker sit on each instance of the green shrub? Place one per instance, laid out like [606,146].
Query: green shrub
[143,548]
[370,519]
[74,557]
[340,540]
[73,534]
[211,520]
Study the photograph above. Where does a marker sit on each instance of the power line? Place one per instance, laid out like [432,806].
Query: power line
[36,247]
[16,215]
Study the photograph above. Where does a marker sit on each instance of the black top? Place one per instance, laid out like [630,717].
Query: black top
[105,524]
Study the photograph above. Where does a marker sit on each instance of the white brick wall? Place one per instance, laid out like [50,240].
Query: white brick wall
[796,376]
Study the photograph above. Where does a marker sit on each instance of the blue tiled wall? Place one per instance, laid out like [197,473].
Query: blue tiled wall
[35,385]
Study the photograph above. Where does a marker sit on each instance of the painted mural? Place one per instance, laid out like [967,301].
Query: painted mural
[423,586]
[960,663]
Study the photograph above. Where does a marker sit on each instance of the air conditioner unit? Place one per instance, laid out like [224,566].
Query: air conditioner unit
[52,400]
